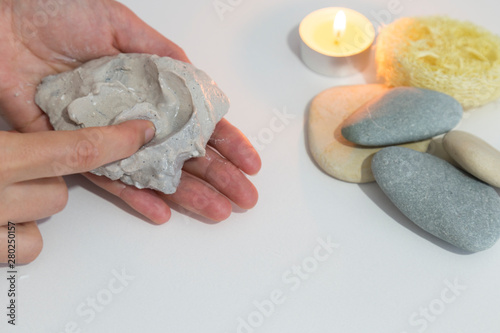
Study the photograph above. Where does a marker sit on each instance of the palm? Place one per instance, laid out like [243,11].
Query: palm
[49,40]
[44,41]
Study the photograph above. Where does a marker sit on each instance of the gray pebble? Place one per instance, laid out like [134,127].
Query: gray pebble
[401,115]
[439,198]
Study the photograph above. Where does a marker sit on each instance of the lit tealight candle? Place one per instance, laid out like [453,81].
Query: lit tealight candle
[339,24]
[336,41]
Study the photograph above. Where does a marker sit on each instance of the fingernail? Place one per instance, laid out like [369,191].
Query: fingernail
[150,133]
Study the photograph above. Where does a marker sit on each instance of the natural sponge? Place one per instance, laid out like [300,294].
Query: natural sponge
[457,58]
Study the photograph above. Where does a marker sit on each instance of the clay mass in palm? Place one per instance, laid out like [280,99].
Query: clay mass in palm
[182,101]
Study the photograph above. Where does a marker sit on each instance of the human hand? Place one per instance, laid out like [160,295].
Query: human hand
[31,186]
[40,38]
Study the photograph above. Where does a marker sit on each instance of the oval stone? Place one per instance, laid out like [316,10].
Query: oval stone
[439,198]
[436,148]
[474,155]
[401,115]
[334,154]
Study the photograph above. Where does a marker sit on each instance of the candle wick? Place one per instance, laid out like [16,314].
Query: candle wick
[338,34]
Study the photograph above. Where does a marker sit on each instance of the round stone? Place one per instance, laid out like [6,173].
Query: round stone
[334,154]
[439,198]
[474,155]
[436,148]
[401,115]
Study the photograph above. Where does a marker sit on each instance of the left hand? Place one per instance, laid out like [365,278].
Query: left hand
[61,35]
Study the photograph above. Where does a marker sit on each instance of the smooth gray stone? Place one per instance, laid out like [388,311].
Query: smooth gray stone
[439,198]
[401,115]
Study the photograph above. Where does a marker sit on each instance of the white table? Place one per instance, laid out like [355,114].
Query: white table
[267,270]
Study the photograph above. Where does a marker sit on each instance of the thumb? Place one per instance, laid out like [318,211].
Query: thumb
[51,154]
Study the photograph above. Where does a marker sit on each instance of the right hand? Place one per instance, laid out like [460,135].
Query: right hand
[40,38]
[31,186]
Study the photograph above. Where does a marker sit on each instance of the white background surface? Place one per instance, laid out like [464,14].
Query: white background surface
[189,276]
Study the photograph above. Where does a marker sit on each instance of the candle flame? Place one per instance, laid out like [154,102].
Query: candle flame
[339,24]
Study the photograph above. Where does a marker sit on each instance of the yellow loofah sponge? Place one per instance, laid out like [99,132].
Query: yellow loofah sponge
[457,58]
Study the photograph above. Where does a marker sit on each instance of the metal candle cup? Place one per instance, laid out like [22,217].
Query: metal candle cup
[336,49]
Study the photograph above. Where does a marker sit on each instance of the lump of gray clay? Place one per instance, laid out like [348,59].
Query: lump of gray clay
[182,101]
[402,115]
[439,198]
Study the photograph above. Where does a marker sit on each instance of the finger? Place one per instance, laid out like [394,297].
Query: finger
[28,242]
[31,119]
[133,35]
[49,154]
[199,198]
[34,199]
[225,177]
[234,146]
[145,202]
